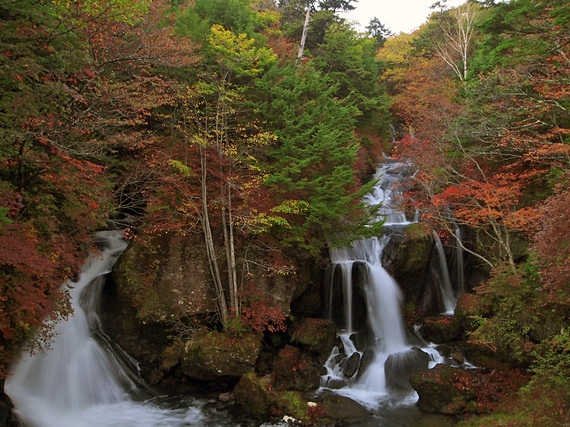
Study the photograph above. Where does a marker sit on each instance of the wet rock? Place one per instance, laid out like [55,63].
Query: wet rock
[359,340]
[458,358]
[350,365]
[315,335]
[399,367]
[336,383]
[440,391]
[341,410]
[365,361]
[294,370]
[215,355]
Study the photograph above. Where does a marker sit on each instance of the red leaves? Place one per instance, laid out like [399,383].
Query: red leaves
[552,243]
[259,313]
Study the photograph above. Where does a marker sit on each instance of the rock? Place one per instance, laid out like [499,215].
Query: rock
[316,335]
[441,391]
[399,367]
[215,355]
[458,358]
[7,417]
[365,361]
[291,404]
[412,258]
[350,365]
[226,397]
[341,410]
[170,357]
[468,309]
[165,278]
[254,395]
[440,329]
[293,370]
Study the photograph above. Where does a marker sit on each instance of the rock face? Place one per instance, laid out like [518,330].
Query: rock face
[165,278]
[407,258]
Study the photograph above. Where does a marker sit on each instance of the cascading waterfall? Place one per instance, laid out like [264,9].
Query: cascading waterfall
[77,382]
[448,296]
[387,338]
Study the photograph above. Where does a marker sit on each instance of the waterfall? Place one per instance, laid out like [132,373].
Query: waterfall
[78,382]
[449,299]
[360,372]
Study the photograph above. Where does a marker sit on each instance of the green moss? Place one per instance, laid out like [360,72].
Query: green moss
[291,403]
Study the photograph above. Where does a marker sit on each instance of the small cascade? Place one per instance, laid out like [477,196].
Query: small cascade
[79,381]
[448,296]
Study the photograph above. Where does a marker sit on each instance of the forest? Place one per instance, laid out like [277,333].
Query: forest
[205,117]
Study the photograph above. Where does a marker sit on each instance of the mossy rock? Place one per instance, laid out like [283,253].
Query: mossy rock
[469,308]
[440,390]
[315,335]
[254,395]
[164,278]
[294,370]
[440,329]
[216,355]
[291,403]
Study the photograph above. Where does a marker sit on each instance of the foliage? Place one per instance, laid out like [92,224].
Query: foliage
[258,313]
[313,159]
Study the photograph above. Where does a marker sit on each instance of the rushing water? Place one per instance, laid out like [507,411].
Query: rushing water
[387,339]
[78,382]
[448,296]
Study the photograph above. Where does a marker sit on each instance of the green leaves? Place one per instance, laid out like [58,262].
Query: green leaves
[313,163]
[238,53]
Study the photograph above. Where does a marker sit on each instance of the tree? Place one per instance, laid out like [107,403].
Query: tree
[379,31]
[311,171]
[211,122]
[458,31]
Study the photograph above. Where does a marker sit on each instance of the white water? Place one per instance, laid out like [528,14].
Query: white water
[383,298]
[78,383]
[449,299]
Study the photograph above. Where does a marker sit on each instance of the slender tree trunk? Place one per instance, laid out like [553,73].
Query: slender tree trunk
[210,248]
[304,35]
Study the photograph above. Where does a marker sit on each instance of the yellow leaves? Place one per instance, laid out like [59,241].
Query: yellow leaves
[238,53]
[291,206]
[181,167]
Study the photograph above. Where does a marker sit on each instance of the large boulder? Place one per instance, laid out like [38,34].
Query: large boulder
[340,410]
[294,370]
[408,260]
[400,366]
[315,335]
[216,355]
[440,329]
[442,390]
[255,395]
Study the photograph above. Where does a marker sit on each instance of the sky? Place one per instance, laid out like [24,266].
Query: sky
[397,15]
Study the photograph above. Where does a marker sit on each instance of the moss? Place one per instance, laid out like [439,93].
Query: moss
[291,403]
